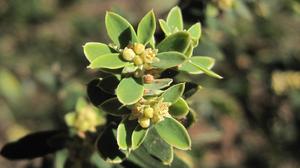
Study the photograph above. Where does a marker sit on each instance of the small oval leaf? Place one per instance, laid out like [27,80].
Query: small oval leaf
[169,59]
[124,133]
[195,31]
[119,30]
[174,19]
[206,62]
[173,93]
[174,133]
[129,91]
[110,61]
[93,50]
[158,84]
[179,109]
[164,27]
[146,28]
[176,42]
[206,71]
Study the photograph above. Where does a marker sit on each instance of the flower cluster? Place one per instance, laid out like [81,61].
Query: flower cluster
[140,56]
[149,111]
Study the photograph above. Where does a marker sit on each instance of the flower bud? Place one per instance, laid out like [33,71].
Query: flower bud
[148,78]
[137,60]
[144,122]
[138,48]
[148,112]
[128,54]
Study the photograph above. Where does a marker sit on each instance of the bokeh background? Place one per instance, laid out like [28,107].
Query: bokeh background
[249,119]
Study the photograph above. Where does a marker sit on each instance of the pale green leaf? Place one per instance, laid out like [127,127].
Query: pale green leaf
[164,27]
[176,42]
[169,59]
[206,62]
[109,61]
[129,91]
[174,19]
[93,50]
[158,84]
[173,93]
[207,71]
[146,28]
[173,133]
[195,31]
[119,30]
[124,133]
[179,109]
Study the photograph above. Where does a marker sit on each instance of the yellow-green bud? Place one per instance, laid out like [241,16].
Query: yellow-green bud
[148,112]
[144,122]
[138,48]
[137,60]
[128,54]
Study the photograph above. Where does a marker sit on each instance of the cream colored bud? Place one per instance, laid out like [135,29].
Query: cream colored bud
[148,78]
[138,48]
[137,60]
[148,112]
[128,54]
[144,122]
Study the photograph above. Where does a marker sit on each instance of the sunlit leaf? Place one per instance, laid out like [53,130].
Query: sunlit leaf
[119,29]
[206,62]
[138,136]
[179,109]
[129,91]
[124,133]
[173,133]
[169,59]
[93,50]
[146,28]
[173,93]
[174,19]
[175,42]
[110,61]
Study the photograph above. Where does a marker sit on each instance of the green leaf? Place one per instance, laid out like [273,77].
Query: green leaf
[206,62]
[124,133]
[110,61]
[158,84]
[172,94]
[129,91]
[129,68]
[207,71]
[179,109]
[108,148]
[176,42]
[146,28]
[114,107]
[152,42]
[158,147]
[174,19]
[169,59]
[119,30]
[164,27]
[195,31]
[189,50]
[173,133]
[93,50]
[138,136]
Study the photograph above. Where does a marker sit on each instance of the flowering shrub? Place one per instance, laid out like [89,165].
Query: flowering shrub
[145,105]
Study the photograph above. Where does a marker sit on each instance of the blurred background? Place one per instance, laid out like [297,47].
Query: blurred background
[249,119]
